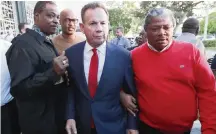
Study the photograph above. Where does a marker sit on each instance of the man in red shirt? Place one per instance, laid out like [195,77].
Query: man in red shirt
[171,77]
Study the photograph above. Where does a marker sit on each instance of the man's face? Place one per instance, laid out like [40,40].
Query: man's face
[95,26]
[48,19]
[68,23]
[160,31]
[119,33]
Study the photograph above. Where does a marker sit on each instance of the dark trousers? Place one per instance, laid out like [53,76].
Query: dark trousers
[145,129]
[9,118]
[93,131]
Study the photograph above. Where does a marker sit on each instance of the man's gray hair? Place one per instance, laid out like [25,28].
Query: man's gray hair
[159,12]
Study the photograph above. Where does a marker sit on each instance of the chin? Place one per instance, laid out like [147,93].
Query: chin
[99,43]
[69,33]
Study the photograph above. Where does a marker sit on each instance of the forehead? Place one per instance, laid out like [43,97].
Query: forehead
[69,15]
[97,14]
[51,8]
[160,21]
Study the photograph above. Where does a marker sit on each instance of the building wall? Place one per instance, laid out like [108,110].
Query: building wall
[8,17]
[12,13]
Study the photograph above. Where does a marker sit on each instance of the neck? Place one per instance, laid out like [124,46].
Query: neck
[160,47]
[95,45]
[68,37]
[37,29]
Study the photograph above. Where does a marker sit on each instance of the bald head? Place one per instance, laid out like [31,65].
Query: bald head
[68,21]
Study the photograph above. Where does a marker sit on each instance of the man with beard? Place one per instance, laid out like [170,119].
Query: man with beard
[69,37]
[36,74]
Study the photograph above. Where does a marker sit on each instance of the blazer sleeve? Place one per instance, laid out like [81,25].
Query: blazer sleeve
[70,106]
[25,80]
[129,87]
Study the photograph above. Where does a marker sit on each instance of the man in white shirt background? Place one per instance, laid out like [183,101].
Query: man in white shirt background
[9,116]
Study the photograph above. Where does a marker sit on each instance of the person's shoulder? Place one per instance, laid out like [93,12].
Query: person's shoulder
[182,44]
[118,50]
[26,40]
[117,47]
[80,36]
[185,47]
[75,47]
[57,37]
[139,49]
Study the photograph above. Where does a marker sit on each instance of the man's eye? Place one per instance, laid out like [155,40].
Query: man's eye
[92,23]
[167,28]
[50,15]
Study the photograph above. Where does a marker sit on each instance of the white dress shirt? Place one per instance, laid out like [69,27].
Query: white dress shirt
[101,51]
[5,75]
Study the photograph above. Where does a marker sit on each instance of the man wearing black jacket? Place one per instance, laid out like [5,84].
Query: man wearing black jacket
[37,73]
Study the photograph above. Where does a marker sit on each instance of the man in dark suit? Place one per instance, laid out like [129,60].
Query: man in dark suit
[36,75]
[98,71]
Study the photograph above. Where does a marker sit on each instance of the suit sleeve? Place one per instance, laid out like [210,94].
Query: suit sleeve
[70,109]
[129,87]
[206,92]
[25,81]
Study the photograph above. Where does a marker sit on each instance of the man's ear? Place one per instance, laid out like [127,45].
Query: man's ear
[81,25]
[36,17]
[197,31]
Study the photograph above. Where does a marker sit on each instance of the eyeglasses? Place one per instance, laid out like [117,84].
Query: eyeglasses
[71,20]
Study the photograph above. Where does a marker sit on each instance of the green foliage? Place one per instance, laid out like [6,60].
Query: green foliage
[181,9]
[122,14]
[211,24]
[210,43]
[118,17]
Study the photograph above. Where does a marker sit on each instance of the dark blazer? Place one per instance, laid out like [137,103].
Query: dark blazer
[40,102]
[108,114]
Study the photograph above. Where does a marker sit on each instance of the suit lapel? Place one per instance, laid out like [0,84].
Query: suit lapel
[80,68]
[105,74]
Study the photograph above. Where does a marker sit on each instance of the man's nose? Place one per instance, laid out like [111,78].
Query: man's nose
[161,31]
[56,20]
[99,28]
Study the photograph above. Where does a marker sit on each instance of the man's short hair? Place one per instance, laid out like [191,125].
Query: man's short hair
[21,26]
[190,25]
[40,5]
[159,12]
[92,5]
[121,29]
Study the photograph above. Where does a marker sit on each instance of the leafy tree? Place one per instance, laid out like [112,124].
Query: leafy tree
[121,14]
[181,9]
[119,18]
[211,24]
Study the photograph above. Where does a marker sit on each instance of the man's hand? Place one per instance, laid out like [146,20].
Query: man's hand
[60,64]
[129,102]
[71,126]
[131,131]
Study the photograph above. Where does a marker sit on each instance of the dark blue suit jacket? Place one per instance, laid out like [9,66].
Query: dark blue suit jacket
[105,108]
